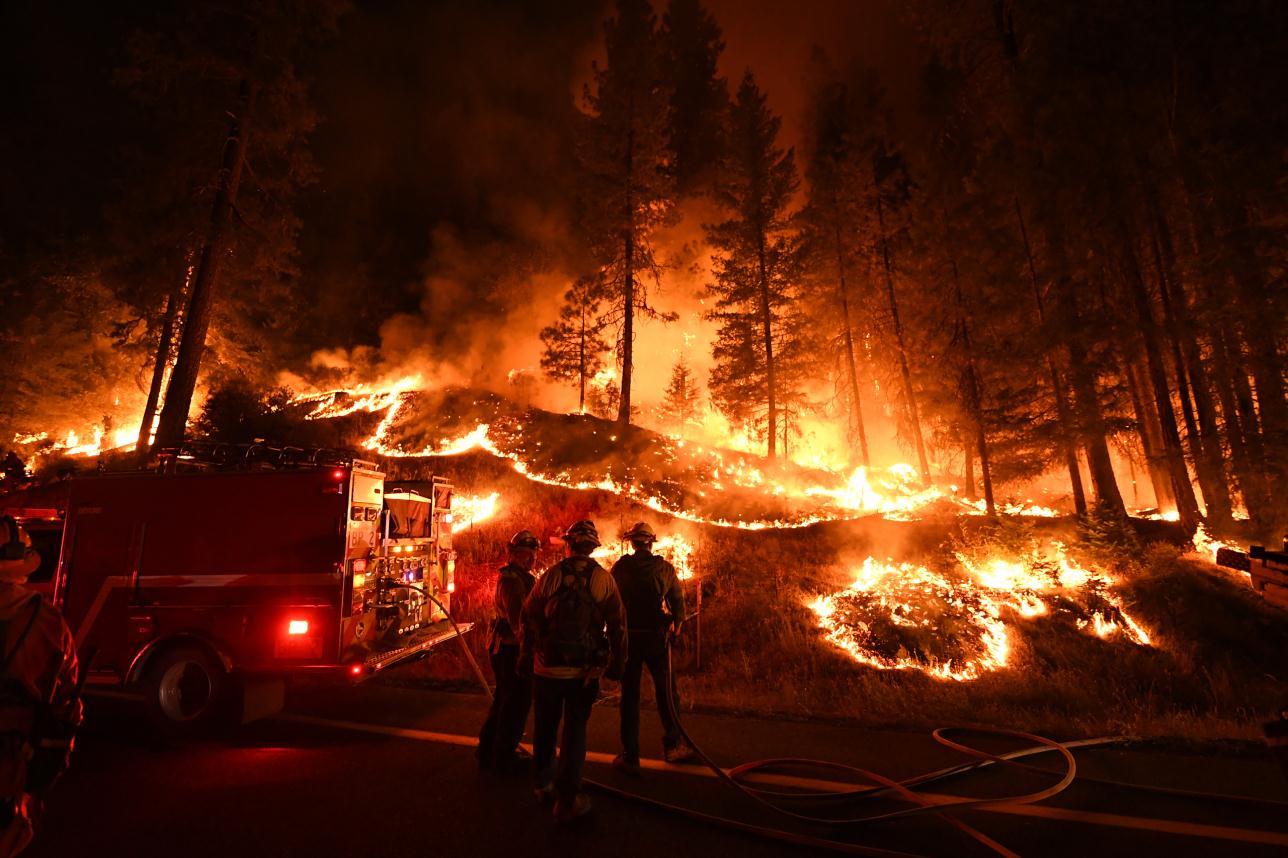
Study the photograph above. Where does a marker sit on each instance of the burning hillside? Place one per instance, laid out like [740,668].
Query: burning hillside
[664,473]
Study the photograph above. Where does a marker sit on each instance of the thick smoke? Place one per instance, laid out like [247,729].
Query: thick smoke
[446,224]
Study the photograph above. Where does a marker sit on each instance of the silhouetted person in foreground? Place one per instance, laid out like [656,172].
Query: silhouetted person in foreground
[39,702]
[654,602]
[574,631]
[499,739]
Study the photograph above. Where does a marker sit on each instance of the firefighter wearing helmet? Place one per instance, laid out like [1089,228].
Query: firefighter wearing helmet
[499,739]
[654,603]
[39,701]
[574,631]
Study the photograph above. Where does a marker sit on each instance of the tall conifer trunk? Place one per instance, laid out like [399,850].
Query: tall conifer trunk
[767,334]
[1067,435]
[1186,505]
[1160,477]
[1082,381]
[205,280]
[1200,420]
[909,395]
[974,391]
[628,288]
[161,362]
[851,363]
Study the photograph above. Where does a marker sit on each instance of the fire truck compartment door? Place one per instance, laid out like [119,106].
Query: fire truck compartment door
[97,578]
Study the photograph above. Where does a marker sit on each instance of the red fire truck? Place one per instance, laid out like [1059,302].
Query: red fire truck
[208,586]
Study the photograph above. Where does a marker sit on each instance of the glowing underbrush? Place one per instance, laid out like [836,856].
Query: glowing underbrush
[957,623]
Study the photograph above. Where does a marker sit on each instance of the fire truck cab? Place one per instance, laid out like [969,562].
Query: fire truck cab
[200,585]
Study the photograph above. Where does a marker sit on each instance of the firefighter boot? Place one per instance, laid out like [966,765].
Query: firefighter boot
[627,764]
[570,810]
[680,752]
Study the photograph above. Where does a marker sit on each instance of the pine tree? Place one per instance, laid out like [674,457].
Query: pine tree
[682,401]
[831,243]
[236,63]
[574,345]
[755,271]
[699,96]
[626,172]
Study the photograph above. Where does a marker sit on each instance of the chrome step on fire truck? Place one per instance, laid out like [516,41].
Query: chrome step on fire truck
[207,587]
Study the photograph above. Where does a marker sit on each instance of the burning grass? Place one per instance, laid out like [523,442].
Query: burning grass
[1213,670]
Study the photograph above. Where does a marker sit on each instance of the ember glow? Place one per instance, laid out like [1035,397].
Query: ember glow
[959,624]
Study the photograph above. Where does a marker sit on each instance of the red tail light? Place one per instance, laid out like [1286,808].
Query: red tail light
[297,627]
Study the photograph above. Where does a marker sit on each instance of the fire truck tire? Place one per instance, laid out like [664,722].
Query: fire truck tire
[187,691]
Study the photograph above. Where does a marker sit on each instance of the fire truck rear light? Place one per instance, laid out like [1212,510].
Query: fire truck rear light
[359,581]
[298,627]
[359,566]
[451,586]
[356,669]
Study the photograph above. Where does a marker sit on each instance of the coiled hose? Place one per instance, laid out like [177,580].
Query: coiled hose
[782,802]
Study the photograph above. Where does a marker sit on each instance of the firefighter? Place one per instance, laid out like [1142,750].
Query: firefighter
[499,739]
[654,604]
[574,632]
[39,699]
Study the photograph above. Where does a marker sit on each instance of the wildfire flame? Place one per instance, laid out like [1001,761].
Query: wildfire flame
[672,546]
[469,510]
[958,624]
[72,445]
[892,493]
[1207,546]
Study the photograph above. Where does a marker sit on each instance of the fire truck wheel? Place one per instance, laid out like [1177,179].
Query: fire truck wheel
[187,690]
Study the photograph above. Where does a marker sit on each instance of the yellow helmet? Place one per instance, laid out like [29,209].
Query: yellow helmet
[640,532]
[525,539]
[582,532]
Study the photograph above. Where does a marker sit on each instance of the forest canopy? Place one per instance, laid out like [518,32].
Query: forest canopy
[998,239]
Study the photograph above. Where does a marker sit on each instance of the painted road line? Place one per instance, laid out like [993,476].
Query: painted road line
[382,729]
[1061,814]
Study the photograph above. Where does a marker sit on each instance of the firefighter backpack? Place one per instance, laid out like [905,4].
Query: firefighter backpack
[574,624]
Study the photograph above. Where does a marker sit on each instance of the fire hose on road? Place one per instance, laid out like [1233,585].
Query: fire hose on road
[797,805]
[882,786]
[779,801]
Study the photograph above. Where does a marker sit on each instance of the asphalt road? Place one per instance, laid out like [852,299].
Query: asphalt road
[380,770]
